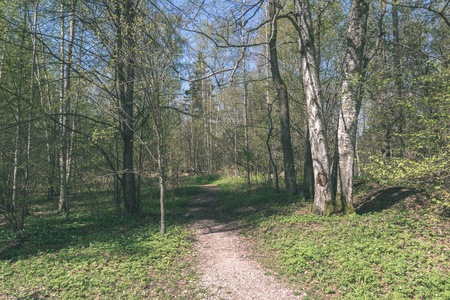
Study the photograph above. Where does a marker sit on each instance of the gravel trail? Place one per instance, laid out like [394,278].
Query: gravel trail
[226,271]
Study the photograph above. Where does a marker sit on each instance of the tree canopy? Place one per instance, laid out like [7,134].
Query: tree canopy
[113,94]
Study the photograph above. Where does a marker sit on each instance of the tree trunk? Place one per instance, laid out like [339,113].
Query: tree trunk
[32,93]
[162,187]
[2,61]
[62,122]
[335,176]
[351,98]
[269,150]
[51,159]
[18,204]
[283,99]
[308,170]
[236,166]
[247,149]
[125,69]
[314,103]
[271,162]
[65,98]
[161,163]
[386,140]
[398,74]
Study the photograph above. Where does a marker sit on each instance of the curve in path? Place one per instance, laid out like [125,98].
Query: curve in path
[226,270]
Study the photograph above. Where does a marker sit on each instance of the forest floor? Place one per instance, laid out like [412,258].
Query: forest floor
[225,267]
[394,247]
[228,241]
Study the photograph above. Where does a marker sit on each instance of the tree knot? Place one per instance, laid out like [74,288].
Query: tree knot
[322,179]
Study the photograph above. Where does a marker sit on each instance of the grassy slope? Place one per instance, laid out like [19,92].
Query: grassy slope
[391,250]
[107,257]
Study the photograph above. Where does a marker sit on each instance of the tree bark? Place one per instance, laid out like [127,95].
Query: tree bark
[18,204]
[157,121]
[46,106]
[32,92]
[314,104]
[335,177]
[283,99]
[271,162]
[62,121]
[247,149]
[125,70]
[351,98]
[65,99]
[128,107]
[308,169]
[398,74]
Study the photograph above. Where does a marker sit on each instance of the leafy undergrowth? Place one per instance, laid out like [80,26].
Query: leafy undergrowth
[200,179]
[391,250]
[107,257]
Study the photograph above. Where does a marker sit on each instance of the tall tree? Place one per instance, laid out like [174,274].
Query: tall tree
[315,111]
[283,100]
[351,98]
[18,202]
[65,103]
[246,145]
[125,55]
[398,72]
[270,127]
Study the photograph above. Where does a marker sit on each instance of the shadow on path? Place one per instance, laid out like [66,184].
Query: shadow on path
[227,272]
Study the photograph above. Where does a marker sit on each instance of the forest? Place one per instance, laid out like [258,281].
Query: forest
[114,113]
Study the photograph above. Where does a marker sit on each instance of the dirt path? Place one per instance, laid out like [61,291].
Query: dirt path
[226,271]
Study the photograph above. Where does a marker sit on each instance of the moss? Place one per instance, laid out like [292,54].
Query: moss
[338,203]
[348,208]
[329,208]
[342,206]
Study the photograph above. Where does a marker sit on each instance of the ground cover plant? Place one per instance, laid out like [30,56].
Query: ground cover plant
[110,256]
[391,249]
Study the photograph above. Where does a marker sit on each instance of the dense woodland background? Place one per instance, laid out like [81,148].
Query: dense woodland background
[305,95]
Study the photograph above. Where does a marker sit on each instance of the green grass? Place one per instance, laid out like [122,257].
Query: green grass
[201,179]
[107,257]
[395,253]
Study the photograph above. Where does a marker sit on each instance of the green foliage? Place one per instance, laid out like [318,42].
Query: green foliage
[107,257]
[426,155]
[393,254]
[203,179]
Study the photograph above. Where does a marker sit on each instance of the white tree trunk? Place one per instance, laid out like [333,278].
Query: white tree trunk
[322,184]
[351,99]
[62,123]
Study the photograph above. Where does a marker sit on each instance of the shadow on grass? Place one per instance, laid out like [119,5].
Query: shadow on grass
[227,206]
[49,233]
[386,198]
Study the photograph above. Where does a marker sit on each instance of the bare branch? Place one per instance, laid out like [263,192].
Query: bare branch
[441,13]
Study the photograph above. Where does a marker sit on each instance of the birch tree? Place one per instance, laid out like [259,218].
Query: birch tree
[351,98]
[315,111]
